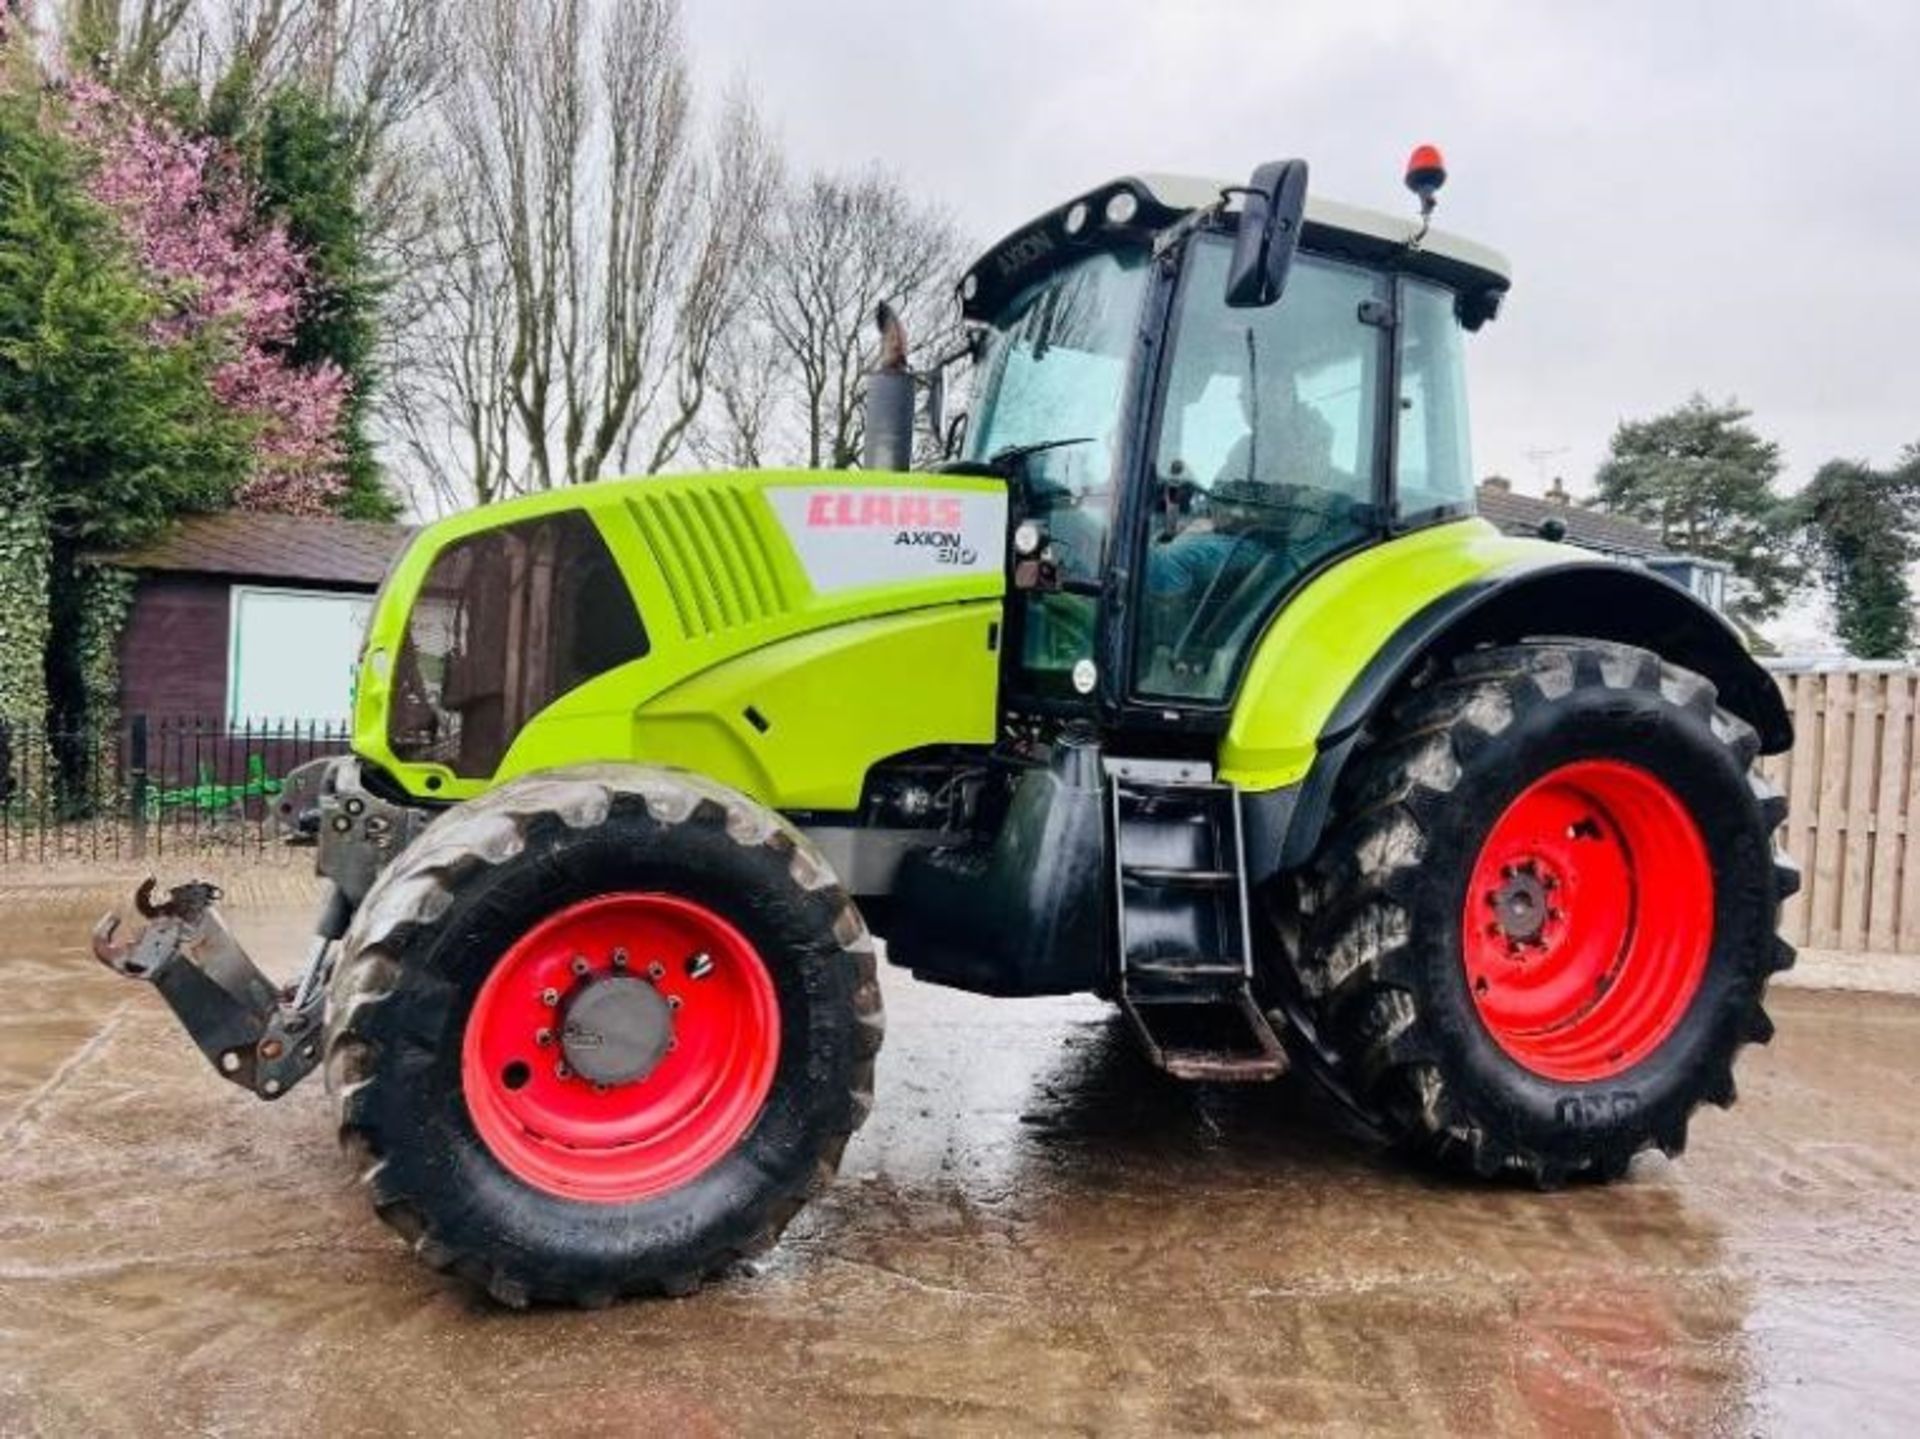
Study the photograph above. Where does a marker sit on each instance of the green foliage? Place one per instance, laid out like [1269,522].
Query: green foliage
[312,165]
[1860,528]
[102,598]
[26,561]
[1703,479]
[122,431]
[106,432]
[312,170]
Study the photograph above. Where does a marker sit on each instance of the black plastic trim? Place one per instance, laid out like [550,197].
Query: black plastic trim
[1024,912]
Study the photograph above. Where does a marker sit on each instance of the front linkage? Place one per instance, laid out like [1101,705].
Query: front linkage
[262,1036]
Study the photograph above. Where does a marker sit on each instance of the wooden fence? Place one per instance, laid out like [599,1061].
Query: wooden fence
[1853,790]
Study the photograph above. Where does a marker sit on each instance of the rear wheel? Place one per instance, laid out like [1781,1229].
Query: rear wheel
[1544,916]
[601,1032]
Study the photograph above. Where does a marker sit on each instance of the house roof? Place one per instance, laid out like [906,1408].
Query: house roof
[1609,534]
[302,548]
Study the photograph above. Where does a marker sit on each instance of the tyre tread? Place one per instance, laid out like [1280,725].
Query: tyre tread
[1352,955]
[418,889]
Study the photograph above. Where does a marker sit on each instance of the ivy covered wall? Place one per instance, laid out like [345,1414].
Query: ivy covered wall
[26,563]
[104,599]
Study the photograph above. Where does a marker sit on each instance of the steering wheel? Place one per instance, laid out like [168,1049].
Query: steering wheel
[1288,526]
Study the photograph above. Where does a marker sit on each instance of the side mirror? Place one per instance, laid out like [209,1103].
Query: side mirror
[1270,220]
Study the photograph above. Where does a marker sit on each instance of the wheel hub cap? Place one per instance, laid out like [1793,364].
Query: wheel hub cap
[621,1047]
[1520,902]
[617,1029]
[1588,920]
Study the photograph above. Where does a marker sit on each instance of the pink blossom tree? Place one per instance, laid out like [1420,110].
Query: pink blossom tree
[192,219]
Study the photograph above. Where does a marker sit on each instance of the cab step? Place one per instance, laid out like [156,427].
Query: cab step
[1183,929]
[1172,875]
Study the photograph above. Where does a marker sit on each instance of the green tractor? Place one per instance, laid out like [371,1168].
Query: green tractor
[1190,680]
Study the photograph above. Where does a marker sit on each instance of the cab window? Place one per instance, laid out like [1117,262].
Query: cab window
[1435,468]
[1265,463]
[1055,376]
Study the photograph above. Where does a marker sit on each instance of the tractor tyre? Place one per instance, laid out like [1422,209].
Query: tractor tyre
[601,1032]
[1544,916]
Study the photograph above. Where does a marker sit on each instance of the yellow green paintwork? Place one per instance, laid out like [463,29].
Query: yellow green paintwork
[1319,643]
[842,679]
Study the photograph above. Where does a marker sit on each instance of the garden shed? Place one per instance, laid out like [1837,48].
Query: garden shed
[243,617]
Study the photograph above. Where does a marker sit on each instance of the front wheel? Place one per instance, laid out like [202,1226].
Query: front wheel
[1544,917]
[601,1032]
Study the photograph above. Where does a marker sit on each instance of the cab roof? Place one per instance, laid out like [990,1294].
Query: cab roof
[1333,228]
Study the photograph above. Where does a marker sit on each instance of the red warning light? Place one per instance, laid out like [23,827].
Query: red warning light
[1426,173]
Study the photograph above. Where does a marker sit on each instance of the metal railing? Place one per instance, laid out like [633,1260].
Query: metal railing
[148,786]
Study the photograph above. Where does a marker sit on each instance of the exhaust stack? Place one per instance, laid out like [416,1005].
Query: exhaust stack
[889,418]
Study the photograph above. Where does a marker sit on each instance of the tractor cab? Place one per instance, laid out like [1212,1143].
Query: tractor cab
[1187,448]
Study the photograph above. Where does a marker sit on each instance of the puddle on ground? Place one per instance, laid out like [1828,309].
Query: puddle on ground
[1035,1233]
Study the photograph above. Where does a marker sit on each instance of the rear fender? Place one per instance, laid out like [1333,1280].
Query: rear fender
[1588,598]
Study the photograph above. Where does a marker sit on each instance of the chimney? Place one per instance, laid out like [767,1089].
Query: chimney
[1497,482]
[1557,492]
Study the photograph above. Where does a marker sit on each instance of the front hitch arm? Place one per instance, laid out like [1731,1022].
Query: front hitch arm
[256,1034]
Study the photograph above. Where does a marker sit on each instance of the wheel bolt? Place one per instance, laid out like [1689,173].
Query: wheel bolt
[562,1070]
[656,970]
[550,997]
[673,1001]
[543,1038]
[580,964]
[700,965]
[599,1088]
[619,959]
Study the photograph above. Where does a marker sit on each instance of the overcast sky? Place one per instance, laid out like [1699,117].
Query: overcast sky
[1720,196]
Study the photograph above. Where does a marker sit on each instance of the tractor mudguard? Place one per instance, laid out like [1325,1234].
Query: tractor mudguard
[1584,597]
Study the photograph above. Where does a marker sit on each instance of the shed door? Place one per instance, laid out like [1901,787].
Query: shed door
[293,654]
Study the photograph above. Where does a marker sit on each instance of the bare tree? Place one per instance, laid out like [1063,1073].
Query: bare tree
[592,247]
[132,37]
[842,245]
[740,429]
[377,61]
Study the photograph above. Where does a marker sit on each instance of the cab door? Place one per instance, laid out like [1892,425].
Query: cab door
[1266,459]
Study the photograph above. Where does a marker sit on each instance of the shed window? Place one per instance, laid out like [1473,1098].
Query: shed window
[292,654]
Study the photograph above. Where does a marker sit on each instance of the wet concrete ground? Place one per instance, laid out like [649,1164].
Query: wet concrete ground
[1034,1234]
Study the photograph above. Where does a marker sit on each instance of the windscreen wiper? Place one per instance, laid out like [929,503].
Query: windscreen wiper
[1010,459]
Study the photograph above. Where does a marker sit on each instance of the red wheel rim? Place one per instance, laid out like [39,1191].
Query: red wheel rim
[615,1143]
[1588,921]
